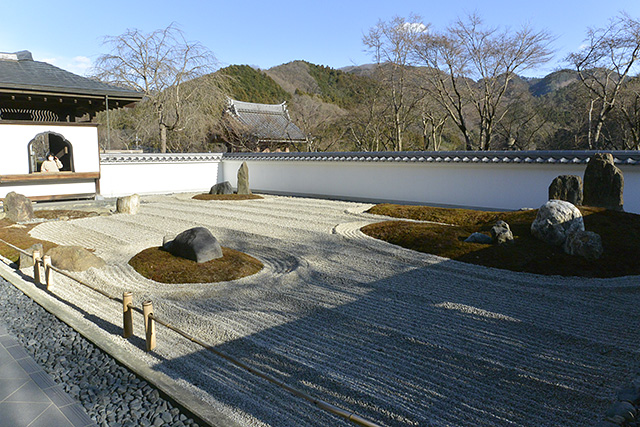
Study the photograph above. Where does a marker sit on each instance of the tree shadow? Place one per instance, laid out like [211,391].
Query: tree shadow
[434,345]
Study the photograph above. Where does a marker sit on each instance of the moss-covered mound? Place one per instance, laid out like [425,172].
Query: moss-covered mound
[161,266]
[620,232]
[226,197]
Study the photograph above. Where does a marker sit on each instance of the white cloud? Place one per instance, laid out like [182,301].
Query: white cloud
[78,65]
[414,27]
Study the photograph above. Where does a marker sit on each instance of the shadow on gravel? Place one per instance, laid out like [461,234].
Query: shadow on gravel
[99,322]
[430,346]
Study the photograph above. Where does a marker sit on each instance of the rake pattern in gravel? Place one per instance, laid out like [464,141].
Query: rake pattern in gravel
[399,337]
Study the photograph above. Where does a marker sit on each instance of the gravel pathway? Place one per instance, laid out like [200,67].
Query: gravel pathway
[399,337]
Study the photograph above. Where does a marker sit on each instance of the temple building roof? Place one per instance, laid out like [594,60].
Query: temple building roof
[266,122]
[28,85]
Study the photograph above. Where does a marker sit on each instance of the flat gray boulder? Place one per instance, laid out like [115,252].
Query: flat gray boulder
[586,244]
[603,183]
[479,238]
[501,233]
[556,219]
[18,207]
[567,188]
[128,205]
[221,188]
[74,258]
[196,244]
[25,260]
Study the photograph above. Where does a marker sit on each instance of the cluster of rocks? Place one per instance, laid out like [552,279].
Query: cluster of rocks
[110,393]
[560,223]
[500,234]
[603,185]
[243,183]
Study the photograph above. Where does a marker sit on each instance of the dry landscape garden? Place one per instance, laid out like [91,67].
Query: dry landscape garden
[399,336]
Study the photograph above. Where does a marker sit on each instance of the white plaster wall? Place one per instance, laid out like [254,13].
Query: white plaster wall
[493,186]
[121,179]
[15,138]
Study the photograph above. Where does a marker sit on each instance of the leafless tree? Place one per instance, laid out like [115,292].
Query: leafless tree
[630,112]
[472,65]
[159,64]
[603,65]
[390,44]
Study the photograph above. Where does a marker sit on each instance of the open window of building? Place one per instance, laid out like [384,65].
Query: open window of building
[49,142]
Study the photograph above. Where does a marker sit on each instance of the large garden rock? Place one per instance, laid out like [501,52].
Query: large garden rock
[603,183]
[243,179]
[567,188]
[501,233]
[222,188]
[17,207]
[128,204]
[74,258]
[586,244]
[196,244]
[25,260]
[556,219]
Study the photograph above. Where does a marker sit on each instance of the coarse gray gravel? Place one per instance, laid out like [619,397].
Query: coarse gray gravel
[110,393]
[400,337]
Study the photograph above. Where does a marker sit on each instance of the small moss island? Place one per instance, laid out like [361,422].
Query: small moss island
[620,233]
[161,266]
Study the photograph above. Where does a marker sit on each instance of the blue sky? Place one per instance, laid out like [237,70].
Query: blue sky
[268,33]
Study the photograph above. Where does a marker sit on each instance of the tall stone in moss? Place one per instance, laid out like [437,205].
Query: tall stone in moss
[603,183]
[243,179]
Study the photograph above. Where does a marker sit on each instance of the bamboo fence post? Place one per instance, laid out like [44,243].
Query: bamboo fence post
[127,301]
[46,261]
[149,325]
[36,267]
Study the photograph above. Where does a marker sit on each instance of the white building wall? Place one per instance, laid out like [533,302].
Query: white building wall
[15,138]
[491,186]
[123,175]
[14,157]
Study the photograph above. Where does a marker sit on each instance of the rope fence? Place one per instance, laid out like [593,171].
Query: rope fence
[150,320]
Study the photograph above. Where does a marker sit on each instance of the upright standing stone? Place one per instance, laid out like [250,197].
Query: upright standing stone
[603,183]
[17,207]
[567,188]
[243,179]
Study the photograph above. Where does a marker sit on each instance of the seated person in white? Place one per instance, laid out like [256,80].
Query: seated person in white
[52,164]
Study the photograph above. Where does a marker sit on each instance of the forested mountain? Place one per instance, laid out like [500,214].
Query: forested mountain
[353,109]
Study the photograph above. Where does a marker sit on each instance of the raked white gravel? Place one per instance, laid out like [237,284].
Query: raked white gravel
[400,337]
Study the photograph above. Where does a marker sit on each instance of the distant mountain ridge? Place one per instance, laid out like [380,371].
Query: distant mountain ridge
[342,87]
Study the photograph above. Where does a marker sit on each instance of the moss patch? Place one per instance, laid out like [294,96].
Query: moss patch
[620,232]
[161,266]
[18,234]
[226,197]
